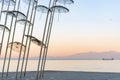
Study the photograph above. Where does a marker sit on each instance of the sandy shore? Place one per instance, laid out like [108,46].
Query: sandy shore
[63,75]
[69,75]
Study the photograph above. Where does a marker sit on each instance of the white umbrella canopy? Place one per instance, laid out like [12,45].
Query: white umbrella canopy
[42,8]
[35,40]
[65,1]
[10,13]
[24,21]
[30,36]
[12,2]
[60,9]
[2,28]
[19,15]
[38,42]
[17,46]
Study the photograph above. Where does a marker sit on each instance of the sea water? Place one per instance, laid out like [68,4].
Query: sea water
[70,65]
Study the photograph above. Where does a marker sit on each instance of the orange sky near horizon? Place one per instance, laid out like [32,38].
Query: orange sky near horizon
[69,46]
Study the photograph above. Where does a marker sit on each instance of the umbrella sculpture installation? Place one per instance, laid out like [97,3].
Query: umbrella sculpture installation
[20,24]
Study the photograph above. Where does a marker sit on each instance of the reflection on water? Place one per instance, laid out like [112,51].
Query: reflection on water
[72,65]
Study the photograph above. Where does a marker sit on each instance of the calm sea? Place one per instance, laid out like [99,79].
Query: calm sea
[72,65]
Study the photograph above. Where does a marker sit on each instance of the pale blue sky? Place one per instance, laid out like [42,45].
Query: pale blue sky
[90,24]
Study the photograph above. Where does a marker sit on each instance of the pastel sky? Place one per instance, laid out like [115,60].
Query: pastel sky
[91,25]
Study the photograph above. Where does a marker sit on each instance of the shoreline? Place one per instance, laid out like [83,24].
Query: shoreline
[69,75]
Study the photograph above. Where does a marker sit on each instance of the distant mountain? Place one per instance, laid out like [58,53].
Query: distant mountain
[82,56]
[90,56]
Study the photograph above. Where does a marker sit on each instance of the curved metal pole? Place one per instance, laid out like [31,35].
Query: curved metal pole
[47,42]
[4,24]
[30,42]
[18,64]
[27,40]
[7,43]
[13,38]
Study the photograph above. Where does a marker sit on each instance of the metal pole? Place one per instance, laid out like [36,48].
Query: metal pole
[45,28]
[46,50]
[47,41]
[29,43]
[7,43]
[22,40]
[4,24]
[13,38]
[27,40]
